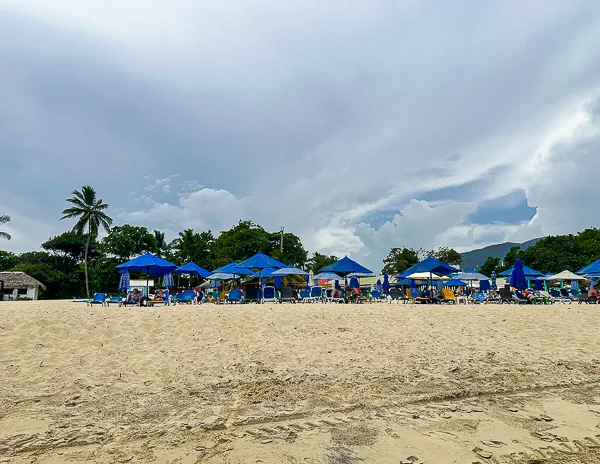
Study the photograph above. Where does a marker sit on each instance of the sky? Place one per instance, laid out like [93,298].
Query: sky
[357,125]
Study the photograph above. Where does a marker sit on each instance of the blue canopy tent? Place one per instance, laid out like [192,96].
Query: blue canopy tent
[517,277]
[260,262]
[591,270]
[455,283]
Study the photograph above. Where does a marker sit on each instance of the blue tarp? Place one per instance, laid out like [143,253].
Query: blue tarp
[431,265]
[148,264]
[345,266]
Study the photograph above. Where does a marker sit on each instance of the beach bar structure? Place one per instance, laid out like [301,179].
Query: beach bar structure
[16,285]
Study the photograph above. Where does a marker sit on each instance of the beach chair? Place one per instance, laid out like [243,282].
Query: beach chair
[316,295]
[423,298]
[253,294]
[99,298]
[164,300]
[304,295]
[234,296]
[330,299]
[397,295]
[365,295]
[287,295]
[114,300]
[506,296]
[477,298]
[558,297]
[127,302]
[378,296]
[185,297]
[566,295]
[269,295]
[448,296]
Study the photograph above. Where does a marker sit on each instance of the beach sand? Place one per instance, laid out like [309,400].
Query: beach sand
[331,384]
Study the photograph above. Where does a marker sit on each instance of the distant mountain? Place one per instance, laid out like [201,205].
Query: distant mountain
[475,258]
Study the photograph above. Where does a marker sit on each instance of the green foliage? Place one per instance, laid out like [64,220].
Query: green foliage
[72,246]
[126,242]
[447,255]
[511,257]
[193,246]
[240,242]
[7,260]
[491,264]
[4,219]
[161,244]
[318,261]
[104,275]
[398,260]
[293,251]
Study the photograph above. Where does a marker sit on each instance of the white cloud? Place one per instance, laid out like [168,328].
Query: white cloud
[163,182]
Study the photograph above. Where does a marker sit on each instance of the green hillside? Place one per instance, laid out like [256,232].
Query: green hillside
[475,258]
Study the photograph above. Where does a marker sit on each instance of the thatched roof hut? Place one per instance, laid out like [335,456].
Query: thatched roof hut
[20,285]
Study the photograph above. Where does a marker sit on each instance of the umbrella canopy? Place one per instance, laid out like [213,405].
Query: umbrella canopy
[361,274]
[471,274]
[260,261]
[517,278]
[229,271]
[125,280]
[192,268]
[529,273]
[149,264]
[539,285]
[337,285]
[354,283]
[268,272]
[430,265]
[168,281]
[426,276]
[590,269]
[494,285]
[404,282]
[413,284]
[327,276]
[484,285]
[346,266]
[386,282]
[455,283]
[277,282]
[379,286]
[565,275]
[289,270]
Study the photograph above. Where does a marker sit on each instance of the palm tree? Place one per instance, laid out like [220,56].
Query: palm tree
[160,242]
[3,220]
[90,216]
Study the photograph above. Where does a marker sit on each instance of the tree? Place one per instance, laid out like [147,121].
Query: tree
[4,219]
[491,264]
[293,250]
[318,261]
[71,246]
[398,260]
[126,241]
[7,260]
[161,244]
[193,246]
[240,242]
[511,257]
[447,255]
[90,215]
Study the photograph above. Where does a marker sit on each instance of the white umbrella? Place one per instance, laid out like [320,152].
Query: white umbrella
[426,276]
[566,275]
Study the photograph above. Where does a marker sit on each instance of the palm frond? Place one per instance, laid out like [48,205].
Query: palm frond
[5,235]
[4,219]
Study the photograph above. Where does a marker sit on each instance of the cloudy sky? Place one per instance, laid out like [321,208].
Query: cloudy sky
[358,125]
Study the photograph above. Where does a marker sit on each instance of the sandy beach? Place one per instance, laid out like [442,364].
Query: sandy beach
[332,384]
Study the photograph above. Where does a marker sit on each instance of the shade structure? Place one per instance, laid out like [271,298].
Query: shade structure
[565,275]
[354,283]
[149,264]
[192,268]
[361,274]
[289,270]
[327,276]
[268,272]
[517,278]
[404,282]
[471,274]
[277,282]
[484,285]
[539,285]
[229,271]
[124,281]
[455,283]
[346,266]
[379,286]
[592,269]
[529,273]
[386,282]
[260,261]
[168,281]
[494,285]
[413,284]
[431,265]
[426,276]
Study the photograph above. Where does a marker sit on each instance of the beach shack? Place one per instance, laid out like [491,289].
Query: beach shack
[18,285]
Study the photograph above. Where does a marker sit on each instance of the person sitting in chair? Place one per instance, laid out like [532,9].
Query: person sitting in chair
[134,297]
[158,294]
[199,295]
[336,293]
[529,295]
[593,292]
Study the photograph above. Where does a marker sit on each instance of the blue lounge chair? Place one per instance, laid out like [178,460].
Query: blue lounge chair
[316,294]
[99,298]
[114,300]
[185,297]
[234,296]
[558,297]
[378,296]
[269,295]
[304,295]
[253,294]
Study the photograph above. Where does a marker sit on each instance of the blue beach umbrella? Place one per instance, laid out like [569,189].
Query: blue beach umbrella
[277,283]
[259,262]
[517,278]
[192,268]
[346,266]
[168,281]
[431,265]
[494,285]
[455,283]
[124,281]
[539,285]
[229,271]
[379,286]
[337,285]
[592,269]
[386,283]
[354,283]
[484,285]
[148,264]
